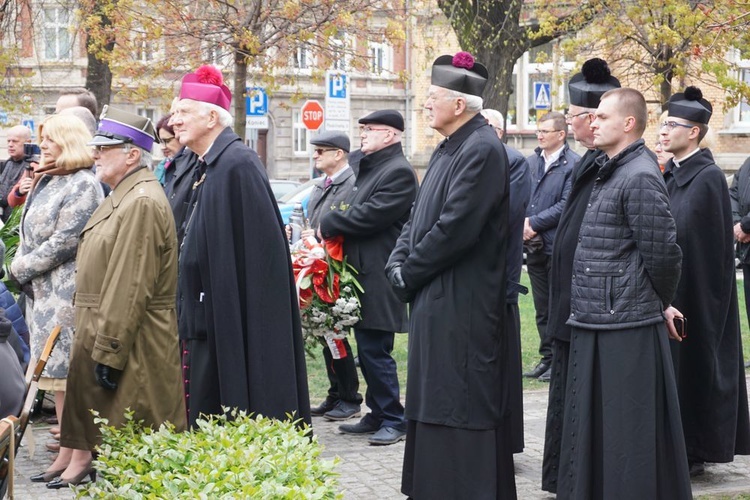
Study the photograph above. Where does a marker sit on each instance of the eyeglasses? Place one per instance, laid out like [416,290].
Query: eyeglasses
[671,125]
[367,130]
[99,149]
[569,117]
[167,140]
[545,132]
[320,151]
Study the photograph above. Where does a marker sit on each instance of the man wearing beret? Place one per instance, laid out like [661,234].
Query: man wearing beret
[449,263]
[377,210]
[125,352]
[332,193]
[585,89]
[238,312]
[708,362]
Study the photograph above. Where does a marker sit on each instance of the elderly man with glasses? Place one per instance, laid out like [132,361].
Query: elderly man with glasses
[377,210]
[551,166]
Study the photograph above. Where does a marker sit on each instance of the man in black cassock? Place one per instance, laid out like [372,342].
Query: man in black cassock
[238,313]
[586,89]
[449,262]
[708,362]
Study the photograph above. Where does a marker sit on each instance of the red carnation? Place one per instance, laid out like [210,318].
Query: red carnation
[209,74]
[463,60]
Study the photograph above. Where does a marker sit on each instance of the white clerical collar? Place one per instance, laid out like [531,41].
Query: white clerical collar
[677,162]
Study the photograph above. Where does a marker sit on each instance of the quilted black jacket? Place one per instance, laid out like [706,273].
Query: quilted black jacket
[627,264]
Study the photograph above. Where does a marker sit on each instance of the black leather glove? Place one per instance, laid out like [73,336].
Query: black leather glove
[103,374]
[398,284]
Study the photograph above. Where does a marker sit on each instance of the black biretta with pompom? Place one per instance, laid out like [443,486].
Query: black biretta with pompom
[690,105]
[587,87]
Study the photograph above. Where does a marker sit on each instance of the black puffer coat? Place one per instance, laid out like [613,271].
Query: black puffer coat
[627,264]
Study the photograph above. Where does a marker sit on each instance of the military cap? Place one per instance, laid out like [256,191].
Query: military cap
[690,105]
[206,85]
[460,73]
[389,117]
[120,127]
[336,140]
[587,87]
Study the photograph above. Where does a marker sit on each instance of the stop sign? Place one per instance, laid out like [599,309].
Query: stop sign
[312,115]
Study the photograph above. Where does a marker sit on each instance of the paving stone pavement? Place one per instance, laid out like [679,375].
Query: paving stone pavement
[374,472]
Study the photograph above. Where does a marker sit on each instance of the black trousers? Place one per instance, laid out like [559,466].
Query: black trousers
[379,369]
[342,375]
[538,265]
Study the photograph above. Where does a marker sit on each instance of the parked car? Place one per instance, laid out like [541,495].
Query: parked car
[281,188]
[300,195]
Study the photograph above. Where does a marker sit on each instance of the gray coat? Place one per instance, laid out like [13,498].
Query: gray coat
[54,215]
[627,264]
[336,197]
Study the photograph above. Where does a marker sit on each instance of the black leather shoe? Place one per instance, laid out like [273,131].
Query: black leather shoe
[696,468]
[343,411]
[46,477]
[387,435]
[361,427]
[60,483]
[323,408]
[544,377]
[537,371]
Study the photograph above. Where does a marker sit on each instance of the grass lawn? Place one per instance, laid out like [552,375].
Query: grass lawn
[529,349]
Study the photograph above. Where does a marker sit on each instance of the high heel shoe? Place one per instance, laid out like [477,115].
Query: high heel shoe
[59,482]
[46,477]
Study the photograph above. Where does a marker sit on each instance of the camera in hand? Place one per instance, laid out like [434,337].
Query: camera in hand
[31,152]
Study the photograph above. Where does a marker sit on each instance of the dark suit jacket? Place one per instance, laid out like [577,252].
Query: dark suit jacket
[178,187]
[324,200]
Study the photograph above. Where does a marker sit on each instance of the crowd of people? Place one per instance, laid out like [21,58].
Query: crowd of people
[176,296]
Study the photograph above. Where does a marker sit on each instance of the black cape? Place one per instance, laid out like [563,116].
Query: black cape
[708,363]
[238,310]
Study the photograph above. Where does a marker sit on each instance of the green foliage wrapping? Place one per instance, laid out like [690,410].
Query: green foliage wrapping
[11,237]
[235,456]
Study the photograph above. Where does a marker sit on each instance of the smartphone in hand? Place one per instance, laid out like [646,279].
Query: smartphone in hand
[680,324]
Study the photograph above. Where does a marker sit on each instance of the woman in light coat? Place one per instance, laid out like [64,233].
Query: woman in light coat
[64,194]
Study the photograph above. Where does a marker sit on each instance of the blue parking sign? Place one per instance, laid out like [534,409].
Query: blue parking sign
[337,86]
[256,102]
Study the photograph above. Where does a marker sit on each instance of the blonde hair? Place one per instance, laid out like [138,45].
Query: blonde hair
[70,133]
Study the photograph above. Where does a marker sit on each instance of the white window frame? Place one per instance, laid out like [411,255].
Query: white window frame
[149,113]
[341,52]
[738,124]
[146,51]
[530,72]
[381,58]
[303,59]
[54,27]
[214,52]
[300,134]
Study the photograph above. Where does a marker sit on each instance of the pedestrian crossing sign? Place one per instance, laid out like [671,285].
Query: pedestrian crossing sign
[542,95]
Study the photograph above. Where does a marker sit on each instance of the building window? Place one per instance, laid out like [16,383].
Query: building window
[149,113]
[56,34]
[743,117]
[381,58]
[303,58]
[340,52]
[541,64]
[299,134]
[214,51]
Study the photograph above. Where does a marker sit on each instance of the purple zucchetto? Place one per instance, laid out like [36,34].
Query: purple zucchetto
[120,127]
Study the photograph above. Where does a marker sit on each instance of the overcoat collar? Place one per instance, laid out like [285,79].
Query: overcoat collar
[127,184]
[380,156]
[689,167]
[223,140]
[452,143]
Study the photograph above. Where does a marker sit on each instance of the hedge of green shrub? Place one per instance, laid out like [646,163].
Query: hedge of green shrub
[236,457]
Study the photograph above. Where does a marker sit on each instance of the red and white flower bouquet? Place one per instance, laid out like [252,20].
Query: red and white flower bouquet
[328,291]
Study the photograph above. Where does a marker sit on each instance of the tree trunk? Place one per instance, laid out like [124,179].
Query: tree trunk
[98,73]
[240,83]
